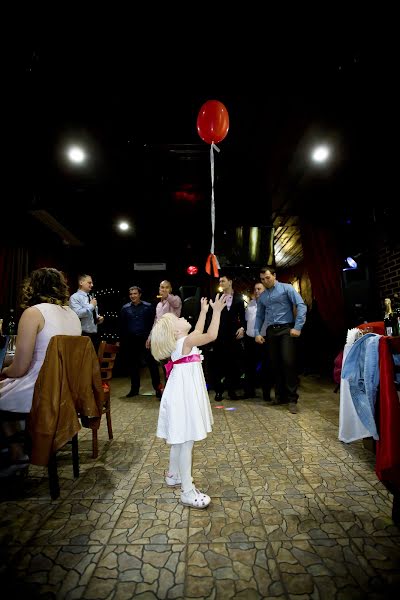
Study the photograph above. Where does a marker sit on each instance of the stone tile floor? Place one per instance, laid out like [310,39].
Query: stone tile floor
[295,513]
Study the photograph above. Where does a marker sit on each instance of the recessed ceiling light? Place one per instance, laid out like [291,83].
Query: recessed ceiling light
[320,154]
[76,155]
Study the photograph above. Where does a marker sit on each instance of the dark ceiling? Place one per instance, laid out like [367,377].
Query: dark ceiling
[137,119]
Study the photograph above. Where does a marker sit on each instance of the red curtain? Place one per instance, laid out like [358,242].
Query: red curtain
[323,263]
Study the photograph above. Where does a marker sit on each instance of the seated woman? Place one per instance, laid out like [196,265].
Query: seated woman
[45,299]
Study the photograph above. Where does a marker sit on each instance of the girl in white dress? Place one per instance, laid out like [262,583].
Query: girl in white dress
[185,412]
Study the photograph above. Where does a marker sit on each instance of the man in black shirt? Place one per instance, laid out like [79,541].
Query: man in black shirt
[137,318]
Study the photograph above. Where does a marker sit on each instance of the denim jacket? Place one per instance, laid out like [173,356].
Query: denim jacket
[361,369]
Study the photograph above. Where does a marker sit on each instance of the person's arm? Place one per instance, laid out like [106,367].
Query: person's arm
[100,319]
[260,317]
[149,316]
[242,315]
[148,341]
[241,318]
[200,339]
[30,324]
[80,308]
[201,321]
[301,311]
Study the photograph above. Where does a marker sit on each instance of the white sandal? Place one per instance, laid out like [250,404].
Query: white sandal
[195,499]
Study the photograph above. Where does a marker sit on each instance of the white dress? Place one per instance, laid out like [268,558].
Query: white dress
[16,394]
[185,411]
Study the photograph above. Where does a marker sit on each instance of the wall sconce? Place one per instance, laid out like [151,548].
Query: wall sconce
[351,262]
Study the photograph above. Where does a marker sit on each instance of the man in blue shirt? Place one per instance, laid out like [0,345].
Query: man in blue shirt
[85,305]
[283,311]
[137,318]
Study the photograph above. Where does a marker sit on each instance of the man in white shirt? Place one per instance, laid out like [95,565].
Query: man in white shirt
[255,354]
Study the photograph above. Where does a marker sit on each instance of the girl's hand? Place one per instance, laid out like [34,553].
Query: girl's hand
[219,302]
[204,305]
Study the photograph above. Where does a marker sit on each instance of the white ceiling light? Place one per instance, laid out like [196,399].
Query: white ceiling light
[76,155]
[123,226]
[320,154]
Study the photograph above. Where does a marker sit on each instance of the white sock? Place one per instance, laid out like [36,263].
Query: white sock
[174,459]
[185,465]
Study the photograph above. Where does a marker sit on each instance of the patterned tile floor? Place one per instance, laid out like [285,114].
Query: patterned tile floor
[295,513]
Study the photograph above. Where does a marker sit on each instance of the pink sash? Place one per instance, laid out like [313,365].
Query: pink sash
[185,359]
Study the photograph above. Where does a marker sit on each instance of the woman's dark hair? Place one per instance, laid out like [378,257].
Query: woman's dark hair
[45,285]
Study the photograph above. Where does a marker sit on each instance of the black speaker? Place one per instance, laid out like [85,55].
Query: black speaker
[357,295]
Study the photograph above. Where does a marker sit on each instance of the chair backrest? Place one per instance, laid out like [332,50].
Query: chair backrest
[107,354]
[68,385]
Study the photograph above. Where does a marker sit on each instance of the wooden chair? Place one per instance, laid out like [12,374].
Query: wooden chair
[68,387]
[106,354]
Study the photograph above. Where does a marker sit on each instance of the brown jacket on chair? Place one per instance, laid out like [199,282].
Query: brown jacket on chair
[68,384]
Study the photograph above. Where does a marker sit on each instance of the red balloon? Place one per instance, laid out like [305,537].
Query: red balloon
[213,122]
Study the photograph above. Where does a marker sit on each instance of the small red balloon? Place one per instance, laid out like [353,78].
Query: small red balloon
[213,122]
[192,270]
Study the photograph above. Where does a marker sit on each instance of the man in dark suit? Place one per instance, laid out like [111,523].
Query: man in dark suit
[225,355]
[136,321]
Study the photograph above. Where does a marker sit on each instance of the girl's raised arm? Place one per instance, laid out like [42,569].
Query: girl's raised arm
[197,337]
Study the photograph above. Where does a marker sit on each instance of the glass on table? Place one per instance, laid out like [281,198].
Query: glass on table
[12,339]
[7,350]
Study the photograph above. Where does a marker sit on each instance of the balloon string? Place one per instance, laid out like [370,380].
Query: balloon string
[212,195]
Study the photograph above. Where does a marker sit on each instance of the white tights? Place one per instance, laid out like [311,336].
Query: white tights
[180,463]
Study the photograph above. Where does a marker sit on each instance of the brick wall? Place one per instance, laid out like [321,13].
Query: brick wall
[387,269]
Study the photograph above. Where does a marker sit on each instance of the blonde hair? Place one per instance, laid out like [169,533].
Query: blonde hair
[163,336]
